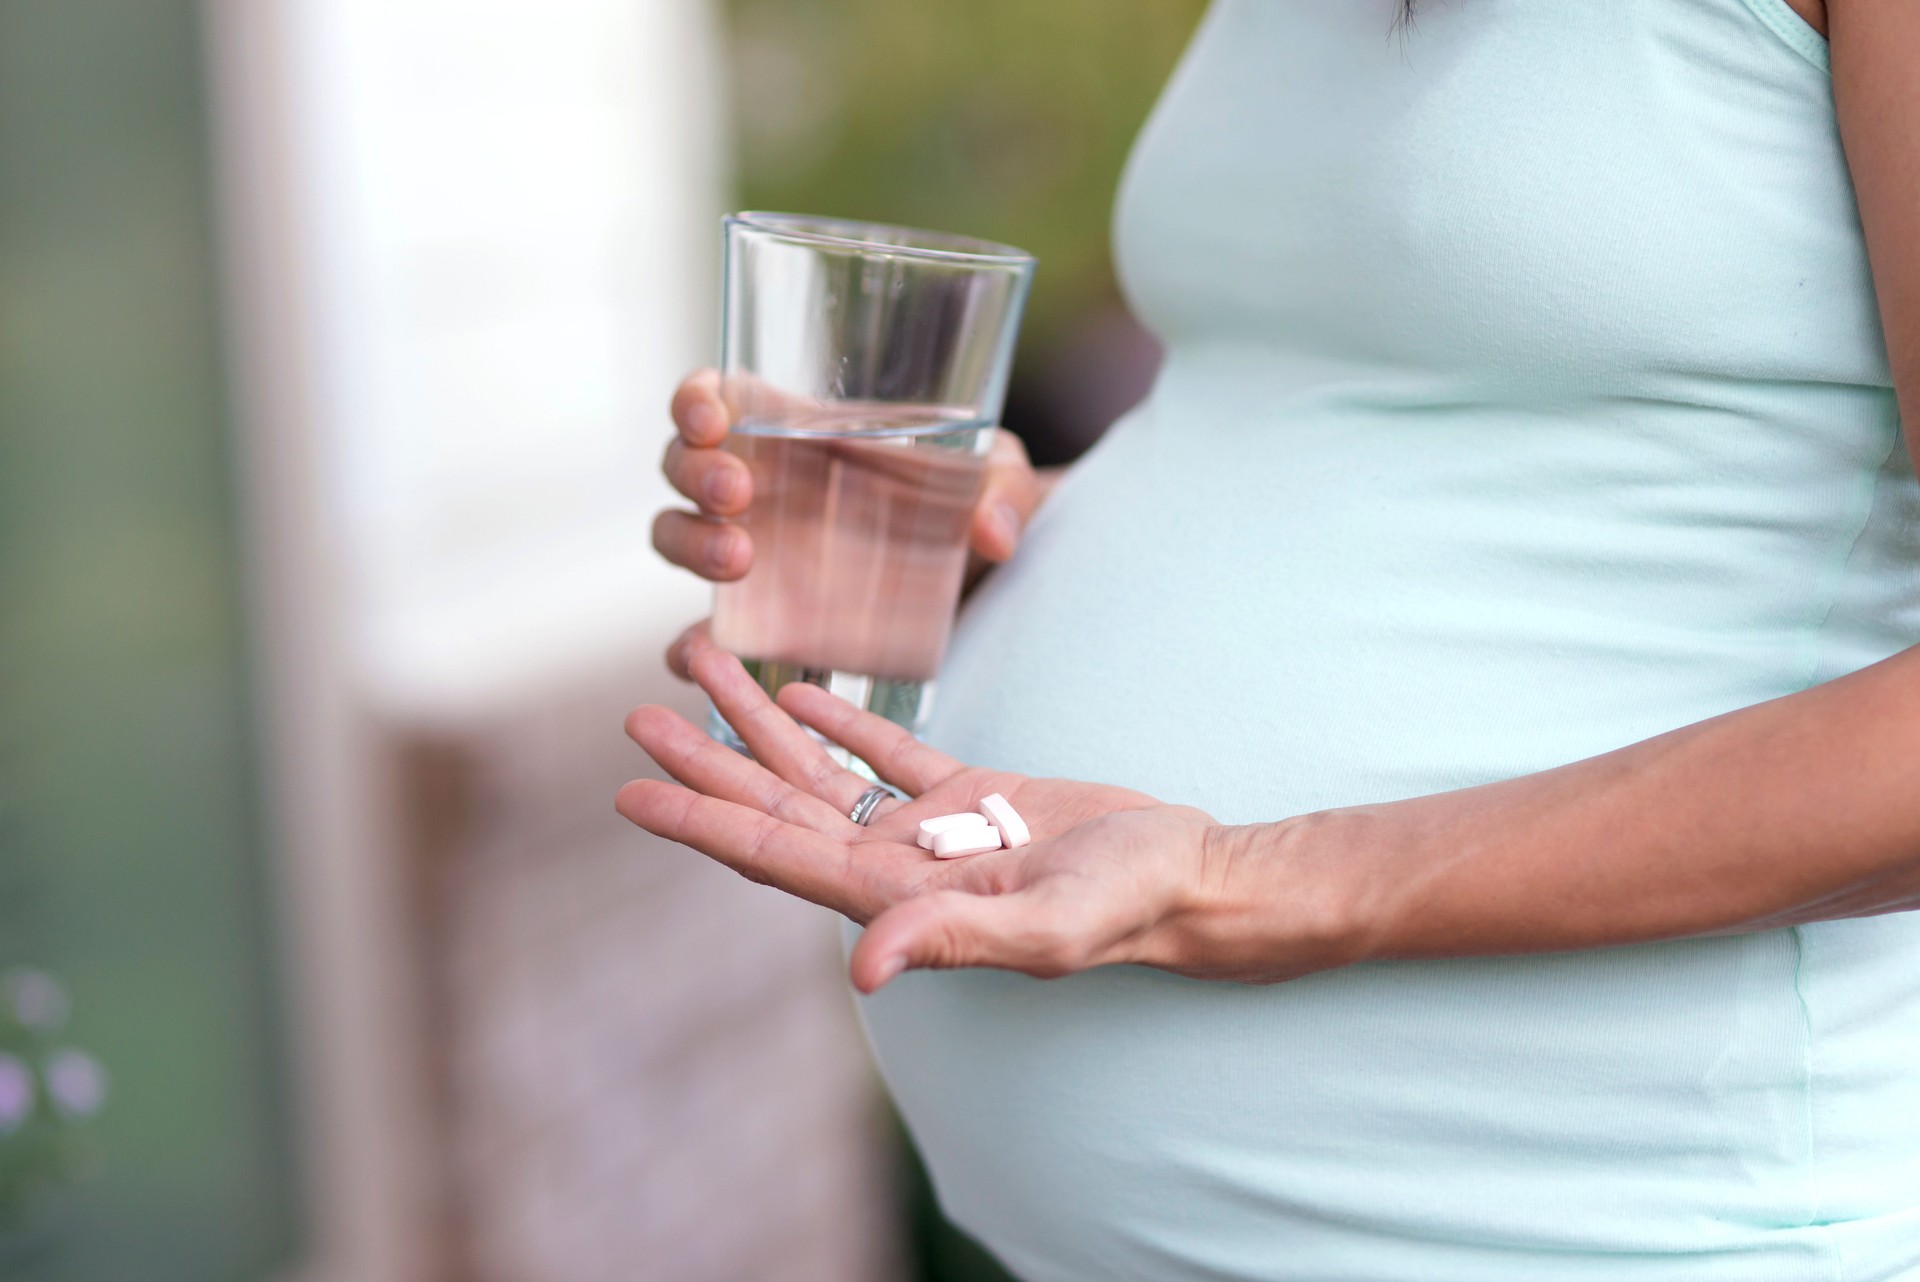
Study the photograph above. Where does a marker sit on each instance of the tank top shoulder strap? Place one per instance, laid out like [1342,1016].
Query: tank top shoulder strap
[1796,31]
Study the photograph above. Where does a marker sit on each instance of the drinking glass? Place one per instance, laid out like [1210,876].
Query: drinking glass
[864,367]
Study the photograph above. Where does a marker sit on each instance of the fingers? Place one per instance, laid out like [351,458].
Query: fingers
[1024,931]
[696,638]
[698,410]
[759,847]
[775,739]
[895,755]
[1007,502]
[697,761]
[710,548]
[716,480]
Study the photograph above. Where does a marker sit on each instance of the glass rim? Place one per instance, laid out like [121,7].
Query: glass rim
[869,237]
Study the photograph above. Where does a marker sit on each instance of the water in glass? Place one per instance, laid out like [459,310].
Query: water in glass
[859,522]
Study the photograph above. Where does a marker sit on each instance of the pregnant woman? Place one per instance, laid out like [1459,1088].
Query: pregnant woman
[1496,625]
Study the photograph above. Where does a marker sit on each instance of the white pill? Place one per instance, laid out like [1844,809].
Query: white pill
[1006,820]
[956,842]
[931,828]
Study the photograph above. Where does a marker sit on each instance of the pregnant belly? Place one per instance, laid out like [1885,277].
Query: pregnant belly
[1262,623]
[1639,1113]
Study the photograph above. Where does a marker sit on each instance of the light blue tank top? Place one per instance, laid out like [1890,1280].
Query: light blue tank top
[1524,398]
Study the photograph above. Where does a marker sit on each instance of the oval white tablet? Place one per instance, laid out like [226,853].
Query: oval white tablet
[956,842]
[931,828]
[1001,814]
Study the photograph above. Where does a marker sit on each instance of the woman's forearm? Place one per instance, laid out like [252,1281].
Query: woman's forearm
[1796,810]
[1800,809]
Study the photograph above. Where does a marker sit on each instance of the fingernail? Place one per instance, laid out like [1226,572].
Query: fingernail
[720,550]
[722,486]
[889,970]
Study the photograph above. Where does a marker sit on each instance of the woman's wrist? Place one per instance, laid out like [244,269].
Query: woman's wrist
[1273,901]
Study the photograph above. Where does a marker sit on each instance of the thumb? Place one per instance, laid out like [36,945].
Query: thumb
[948,929]
[1007,502]
[689,643]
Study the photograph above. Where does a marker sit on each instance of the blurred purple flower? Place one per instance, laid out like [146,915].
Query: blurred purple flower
[76,1082]
[38,1000]
[16,1093]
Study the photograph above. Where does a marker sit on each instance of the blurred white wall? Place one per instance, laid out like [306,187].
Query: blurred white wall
[511,211]
[473,246]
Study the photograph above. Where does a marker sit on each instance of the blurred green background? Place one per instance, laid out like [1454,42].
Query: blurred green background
[1006,119]
[131,860]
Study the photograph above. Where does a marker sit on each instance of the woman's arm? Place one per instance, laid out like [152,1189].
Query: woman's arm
[1804,808]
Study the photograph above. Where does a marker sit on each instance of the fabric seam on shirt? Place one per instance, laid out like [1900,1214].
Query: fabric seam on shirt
[1835,574]
[1816,1207]
[1798,34]
[1835,578]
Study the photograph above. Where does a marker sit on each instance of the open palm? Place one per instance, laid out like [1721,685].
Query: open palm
[1107,877]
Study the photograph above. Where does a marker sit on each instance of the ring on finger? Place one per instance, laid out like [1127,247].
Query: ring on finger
[863,808]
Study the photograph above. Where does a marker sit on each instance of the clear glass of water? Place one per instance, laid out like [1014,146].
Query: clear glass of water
[864,367]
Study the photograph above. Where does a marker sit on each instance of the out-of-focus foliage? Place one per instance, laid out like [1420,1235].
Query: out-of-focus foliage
[131,854]
[1008,119]
[47,1091]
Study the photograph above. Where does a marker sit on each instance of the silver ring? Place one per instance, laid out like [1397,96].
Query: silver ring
[863,808]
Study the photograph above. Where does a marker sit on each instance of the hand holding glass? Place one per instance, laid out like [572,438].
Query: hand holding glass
[863,368]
